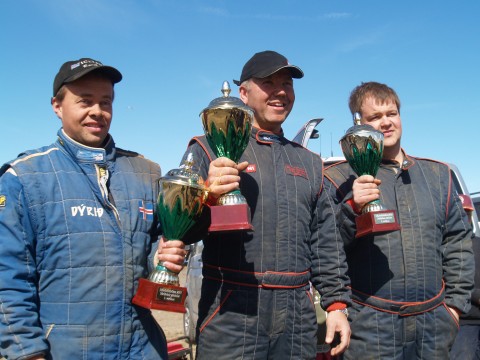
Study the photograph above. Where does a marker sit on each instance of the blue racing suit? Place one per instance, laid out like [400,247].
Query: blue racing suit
[402,281]
[255,301]
[77,227]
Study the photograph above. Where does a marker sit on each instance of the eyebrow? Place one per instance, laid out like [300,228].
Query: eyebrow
[91,95]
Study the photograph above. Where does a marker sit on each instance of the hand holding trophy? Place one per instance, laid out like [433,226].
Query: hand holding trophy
[227,123]
[180,203]
[362,147]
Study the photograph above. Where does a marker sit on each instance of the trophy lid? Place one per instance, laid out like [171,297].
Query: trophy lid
[186,175]
[362,130]
[227,102]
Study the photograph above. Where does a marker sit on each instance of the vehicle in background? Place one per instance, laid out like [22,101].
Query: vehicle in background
[466,198]
[177,351]
[194,286]
[308,132]
[476,203]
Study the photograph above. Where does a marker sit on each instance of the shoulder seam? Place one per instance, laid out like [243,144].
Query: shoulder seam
[30,156]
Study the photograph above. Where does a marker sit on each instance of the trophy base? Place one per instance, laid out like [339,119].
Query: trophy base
[376,222]
[230,218]
[156,296]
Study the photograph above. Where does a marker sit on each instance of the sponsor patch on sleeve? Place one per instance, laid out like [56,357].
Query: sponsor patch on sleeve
[3,200]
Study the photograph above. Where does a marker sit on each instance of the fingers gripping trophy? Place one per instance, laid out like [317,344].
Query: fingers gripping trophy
[180,203]
[227,123]
[362,147]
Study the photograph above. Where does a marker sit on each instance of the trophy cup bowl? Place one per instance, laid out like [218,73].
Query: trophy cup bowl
[362,147]
[180,203]
[227,124]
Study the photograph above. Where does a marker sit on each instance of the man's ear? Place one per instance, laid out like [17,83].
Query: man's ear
[243,93]
[57,107]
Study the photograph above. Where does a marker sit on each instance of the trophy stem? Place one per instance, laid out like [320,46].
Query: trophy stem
[161,275]
[372,206]
[234,197]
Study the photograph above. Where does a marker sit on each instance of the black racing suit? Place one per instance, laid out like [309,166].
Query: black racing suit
[397,278]
[255,300]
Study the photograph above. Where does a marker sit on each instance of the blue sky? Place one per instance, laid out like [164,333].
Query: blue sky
[174,56]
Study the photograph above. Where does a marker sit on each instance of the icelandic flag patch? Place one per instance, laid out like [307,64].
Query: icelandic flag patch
[146,210]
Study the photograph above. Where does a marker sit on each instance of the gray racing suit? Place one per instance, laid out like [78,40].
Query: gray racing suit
[404,281]
[255,300]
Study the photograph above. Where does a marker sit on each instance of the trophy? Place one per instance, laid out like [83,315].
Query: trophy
[362,146]
[180,203]
[227,123]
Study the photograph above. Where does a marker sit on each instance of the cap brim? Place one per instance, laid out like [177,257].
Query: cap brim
[296,72]
[113,74]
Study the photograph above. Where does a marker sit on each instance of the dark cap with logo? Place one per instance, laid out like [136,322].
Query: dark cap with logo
[266,63]
[75,69]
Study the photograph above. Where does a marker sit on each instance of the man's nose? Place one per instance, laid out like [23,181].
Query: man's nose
[385,120]
[96,110]
[280,90]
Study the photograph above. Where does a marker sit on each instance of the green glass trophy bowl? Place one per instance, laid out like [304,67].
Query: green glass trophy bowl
[227,124]
[362,147]
[180,203]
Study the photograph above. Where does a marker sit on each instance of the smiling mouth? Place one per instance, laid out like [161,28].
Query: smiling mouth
[277,104]
[94,126]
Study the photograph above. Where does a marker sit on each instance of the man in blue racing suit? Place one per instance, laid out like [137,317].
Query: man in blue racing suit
[78,230]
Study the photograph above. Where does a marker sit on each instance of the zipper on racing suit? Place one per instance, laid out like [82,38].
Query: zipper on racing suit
[102,176]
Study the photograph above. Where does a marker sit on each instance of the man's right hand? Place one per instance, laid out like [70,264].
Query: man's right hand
[365,189]
[337,323]
[223,176]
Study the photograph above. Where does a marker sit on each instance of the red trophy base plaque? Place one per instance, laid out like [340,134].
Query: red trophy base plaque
[156,296]
[376,222]
[230,218]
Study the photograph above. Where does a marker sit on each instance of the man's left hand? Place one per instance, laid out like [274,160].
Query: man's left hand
[337,322]
[455,313]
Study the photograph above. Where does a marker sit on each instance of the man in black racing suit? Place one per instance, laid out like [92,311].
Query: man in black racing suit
[256,301]
[408,285]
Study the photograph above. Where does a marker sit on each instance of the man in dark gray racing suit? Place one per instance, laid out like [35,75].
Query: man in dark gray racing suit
[256,301]
[408,285]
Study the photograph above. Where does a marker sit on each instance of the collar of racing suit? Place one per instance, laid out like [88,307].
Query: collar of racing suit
[267,137]
[86,154]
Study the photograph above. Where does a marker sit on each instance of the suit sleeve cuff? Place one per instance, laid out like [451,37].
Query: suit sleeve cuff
[337,306]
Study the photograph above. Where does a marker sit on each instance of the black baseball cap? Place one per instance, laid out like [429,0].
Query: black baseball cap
[75,69]
[266,63]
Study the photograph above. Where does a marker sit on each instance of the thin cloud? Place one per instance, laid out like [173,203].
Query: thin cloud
[93,11]
[214,11]
[359,42]
[336,16]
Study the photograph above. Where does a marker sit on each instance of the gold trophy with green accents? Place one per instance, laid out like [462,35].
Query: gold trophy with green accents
[227,123]
[362,146]
[181,198]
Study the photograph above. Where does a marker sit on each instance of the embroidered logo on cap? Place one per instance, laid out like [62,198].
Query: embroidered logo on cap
[251,168]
